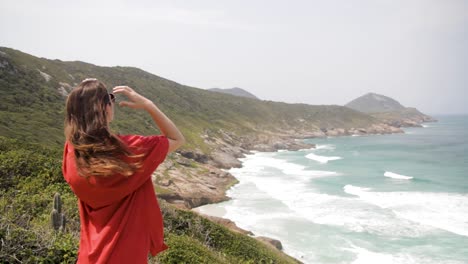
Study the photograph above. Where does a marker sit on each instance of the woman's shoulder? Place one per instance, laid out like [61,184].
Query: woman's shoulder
[139,140]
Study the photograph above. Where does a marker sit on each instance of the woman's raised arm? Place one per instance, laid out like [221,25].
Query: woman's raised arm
[167,127]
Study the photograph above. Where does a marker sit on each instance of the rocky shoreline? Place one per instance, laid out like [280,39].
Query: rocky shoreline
[189,179]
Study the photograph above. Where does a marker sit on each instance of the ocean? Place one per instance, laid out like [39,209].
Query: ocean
[400,198]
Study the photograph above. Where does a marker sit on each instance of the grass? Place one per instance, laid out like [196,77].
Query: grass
[30,175]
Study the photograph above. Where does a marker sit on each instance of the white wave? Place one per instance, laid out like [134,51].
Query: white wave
[325,209]
[295,192]
[355,189]
[283,150]
[365,256]
[397,176]
[253,165]
[445,211]
[247,219]
[321,159]
[306,149]
[356,214]
[325,146]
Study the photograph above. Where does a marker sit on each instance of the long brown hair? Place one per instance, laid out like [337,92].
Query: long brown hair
[98,152]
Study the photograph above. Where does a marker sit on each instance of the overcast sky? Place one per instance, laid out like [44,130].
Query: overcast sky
[315,52]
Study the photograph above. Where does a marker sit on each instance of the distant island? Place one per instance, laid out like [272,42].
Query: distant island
[389,110]
[234,91]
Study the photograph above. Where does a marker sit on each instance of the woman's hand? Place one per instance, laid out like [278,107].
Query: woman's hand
[136,101]
[165,125]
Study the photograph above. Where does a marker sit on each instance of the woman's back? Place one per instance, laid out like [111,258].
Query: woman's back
[121,221]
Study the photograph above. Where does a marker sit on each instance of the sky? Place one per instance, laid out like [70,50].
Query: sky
[314,52]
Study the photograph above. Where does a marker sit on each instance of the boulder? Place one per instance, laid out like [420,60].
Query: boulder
[225,160]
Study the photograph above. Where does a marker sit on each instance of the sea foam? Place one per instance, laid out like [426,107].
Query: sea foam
[325,146]
[255,164]
[445,211]
[397,176]
[321,159]
[365,256]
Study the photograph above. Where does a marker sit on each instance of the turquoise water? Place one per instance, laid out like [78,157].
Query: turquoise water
[399,198]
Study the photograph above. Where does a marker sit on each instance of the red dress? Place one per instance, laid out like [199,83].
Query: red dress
[121,221]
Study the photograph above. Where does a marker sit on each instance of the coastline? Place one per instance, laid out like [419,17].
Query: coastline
[213,180]
[230,224]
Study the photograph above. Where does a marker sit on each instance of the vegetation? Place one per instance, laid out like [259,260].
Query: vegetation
[32,107]
[31,177]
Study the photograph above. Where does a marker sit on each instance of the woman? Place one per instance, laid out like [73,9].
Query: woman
[111,175]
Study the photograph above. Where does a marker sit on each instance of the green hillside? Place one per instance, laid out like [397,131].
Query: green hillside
[32,106]
[30,175]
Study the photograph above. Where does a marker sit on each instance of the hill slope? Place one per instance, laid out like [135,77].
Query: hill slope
[374,103]
[234,91]
[388,110]
[33,91]
[30,175]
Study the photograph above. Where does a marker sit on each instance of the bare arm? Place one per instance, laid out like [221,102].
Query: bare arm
[167,127]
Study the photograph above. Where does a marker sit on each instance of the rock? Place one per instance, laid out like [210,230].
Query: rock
[64,89]
[196,155]
[270,241]
[192,186]
[46,76]
[313,134]
[183,161]
[227,223]
[165,182]
[225,161]
[279,145]
[334,132]
[263,148]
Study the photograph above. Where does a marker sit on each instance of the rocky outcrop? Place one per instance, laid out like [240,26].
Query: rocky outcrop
[224,160]
[228,223]
[187,184]
[232,226]
[44,75]
[195,155]
[374,129]
[271,242]
[191,178]
[64,89]
[410,117]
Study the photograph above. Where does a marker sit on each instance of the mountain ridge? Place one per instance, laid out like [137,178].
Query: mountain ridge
[235,91]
